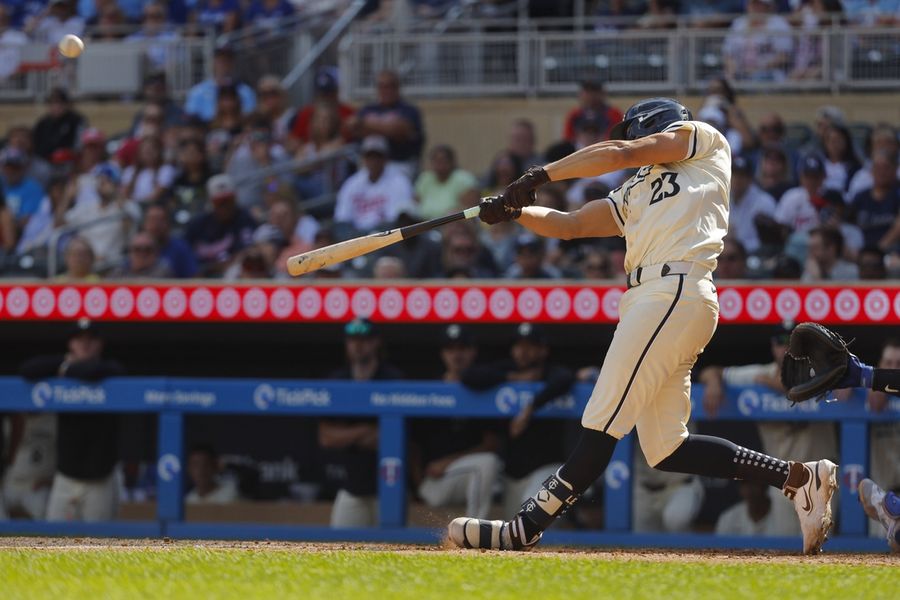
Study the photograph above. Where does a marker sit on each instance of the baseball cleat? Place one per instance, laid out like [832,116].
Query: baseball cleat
[810,486]
[488,535]
[882,507]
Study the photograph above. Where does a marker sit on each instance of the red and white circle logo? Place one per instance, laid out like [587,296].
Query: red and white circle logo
[1,301]
[501,303]
[558,304]
[446,304]
[610,304]
[281,303]
[201,303]
[363,302]
[418,304]
[529,304]
[148,302]
[228,303]
[255,303]
[474,303]
[846,305]
[95,302]
[174,302]
[759,304]
[787,305]
[586,304]
[897,305]
[42,302]
[69,302]
[337,303]
[17,302]
[730,304]
[309,303]
[817,305]
[121,302]
[876,305]
[390,303]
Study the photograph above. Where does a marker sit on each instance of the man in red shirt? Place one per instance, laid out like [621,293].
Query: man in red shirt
[591,100]
[326,93]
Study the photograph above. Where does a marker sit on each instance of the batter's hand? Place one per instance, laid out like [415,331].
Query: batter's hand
[495,210]
[520,193]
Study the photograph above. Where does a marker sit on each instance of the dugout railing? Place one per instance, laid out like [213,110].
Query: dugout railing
[393,403]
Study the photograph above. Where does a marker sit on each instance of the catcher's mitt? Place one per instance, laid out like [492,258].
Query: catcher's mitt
[815,362]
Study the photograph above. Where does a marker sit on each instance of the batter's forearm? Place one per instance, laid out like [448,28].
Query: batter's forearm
[590,161]
[549,222]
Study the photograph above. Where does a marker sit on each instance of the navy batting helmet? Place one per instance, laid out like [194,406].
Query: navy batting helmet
[649,116]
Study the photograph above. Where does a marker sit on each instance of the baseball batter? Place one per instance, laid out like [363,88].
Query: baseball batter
[673,214]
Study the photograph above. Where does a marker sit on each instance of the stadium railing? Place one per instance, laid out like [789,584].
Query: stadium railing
[392,403]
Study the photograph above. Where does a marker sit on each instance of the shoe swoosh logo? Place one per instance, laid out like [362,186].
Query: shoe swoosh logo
[806,499]
[890,390]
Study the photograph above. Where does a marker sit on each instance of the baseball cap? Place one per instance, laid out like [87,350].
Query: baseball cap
[359,327]
[527,241]
[92,135]
[13,157]
[812,165]
[220,185]
[326,80]
[108,170]
[456,335]
[375,143]
[831,113]
[741,165]
[83,326]
[530,332]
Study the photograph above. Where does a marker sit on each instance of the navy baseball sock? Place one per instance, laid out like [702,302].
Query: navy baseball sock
[716,457]
[560,491]
[886,380]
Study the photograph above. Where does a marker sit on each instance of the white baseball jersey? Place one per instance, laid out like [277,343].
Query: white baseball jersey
[677,211]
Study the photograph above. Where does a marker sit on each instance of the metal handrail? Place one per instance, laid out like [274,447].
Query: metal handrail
[298,165]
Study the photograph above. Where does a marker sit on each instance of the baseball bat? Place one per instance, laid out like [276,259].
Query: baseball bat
[314,260]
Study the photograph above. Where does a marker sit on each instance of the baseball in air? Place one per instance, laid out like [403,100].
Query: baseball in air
[71,46]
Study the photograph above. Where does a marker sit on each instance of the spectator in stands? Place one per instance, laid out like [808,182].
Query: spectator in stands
[445,188]
[463,255]
[155,35]
[870,13]
[56,21]
[149,125]
[826,117]
[253,262]
[326,93]
[871,265]
[254,155]
[753,515]
[454,461]
[111,24]
[220,233]
[225,128]
[350,445]
[7,226]
[23,194]
[732,262]
[840,159]
[534,448]
[375,195]
[836,214]
[172,249]
[142,260]
[798,207]
[803,439]
[19,137]
[759,44]
[530,263]
[878,207]
[721,109]
[223,15]
[388,267]
[32,463]
[105,223]
[267,14]
[188,189]
[394,119]
[149,179]
[273,105]
[201,99]
[50,214]
[11,42]
[324,138]
[504,169]
[521,142]
[155,92]
[591,102]
[207,487]
[823,260]
[59,127]
[883,137]
[84,487]
[810,16]
[596,265]
[775,172]
[79,261]
[747,201]
[420,255]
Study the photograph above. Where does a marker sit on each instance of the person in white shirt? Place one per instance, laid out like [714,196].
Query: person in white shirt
[758,46]
[375,195]
[797,208]
[206,486]
[747,201]
[11,42]
[58,20]
[753,515]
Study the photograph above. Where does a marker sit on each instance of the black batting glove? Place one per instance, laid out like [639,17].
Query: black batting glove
[520,193]
[494,210]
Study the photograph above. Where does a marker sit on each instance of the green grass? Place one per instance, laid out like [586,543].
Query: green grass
[198,573]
